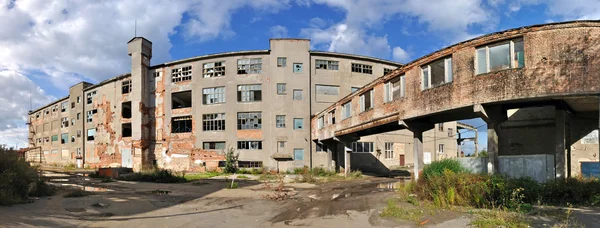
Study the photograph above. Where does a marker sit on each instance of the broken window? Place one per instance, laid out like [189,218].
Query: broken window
[394,89]
[78,99]
[281,90]
[297,67]
[126,109]
[389,150]
[181,100]
[362,147]
[387,70]
[64,106]
[181,74]
[46,139]
[72,105]
[214,95]
[450,132]
[362,68]
[297,94]
[249,145]
[437,73]
[64,138]
[126,130]
[298,123]
[37,115]
[54,108]
[213,122]
[126,86]
[90,96]
[78,133]
[157,73]
[281,61]
[72,122]
[346,110]
[366,101]
[249,120]
[181,124]
[64,122]
[249,66]
[321,148]
[298,154]
[250,164]
[500,56]
[332,117]
[216,69]
[327,64]
[320,122]
[72,138]
[213,145]
[280,121]
[327,90]
[90,115]
[248,93]
[78,115]
[91,134]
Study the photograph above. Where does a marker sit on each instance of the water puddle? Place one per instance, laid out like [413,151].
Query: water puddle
[391,186]
[84,188]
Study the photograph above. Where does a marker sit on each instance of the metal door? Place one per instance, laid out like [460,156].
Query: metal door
[401,157]
[126,158]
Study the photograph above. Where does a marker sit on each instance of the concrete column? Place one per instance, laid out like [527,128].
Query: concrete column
[417,153]
[559,153]
[347,154]
[493,149]
[493,117]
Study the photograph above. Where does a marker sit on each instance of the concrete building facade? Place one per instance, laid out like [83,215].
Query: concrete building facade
[182,115]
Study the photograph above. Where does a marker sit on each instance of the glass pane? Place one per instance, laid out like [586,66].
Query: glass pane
[448,69]
[298,154]
[499,57]
[425,77]
[481,62]
[519,60]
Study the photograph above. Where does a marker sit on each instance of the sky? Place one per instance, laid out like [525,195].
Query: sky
[47,46]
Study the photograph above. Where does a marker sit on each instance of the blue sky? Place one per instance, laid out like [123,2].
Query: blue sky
[50,45]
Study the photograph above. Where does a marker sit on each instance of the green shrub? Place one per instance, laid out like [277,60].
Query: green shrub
[436,168]
[231,159]
[18,179]
[156,175]
[577,191]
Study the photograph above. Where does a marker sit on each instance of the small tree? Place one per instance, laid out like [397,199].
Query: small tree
[231,159]
[483,154]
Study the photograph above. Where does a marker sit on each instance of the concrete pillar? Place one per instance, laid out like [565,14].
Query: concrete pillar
[559,153]
[493,117]
[417,153]
[417,128]
[493,149]
[345,141]
[140,50]
[347,154]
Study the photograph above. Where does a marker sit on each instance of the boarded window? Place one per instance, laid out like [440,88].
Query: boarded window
[298,123]
[181,74]
[249,120]
[181,124]
[215,95]
[248,93]
[327,90]
[249,66]
[213,145]
[298,154]
[181,100]
[213,122]
[216,69]
[297,94]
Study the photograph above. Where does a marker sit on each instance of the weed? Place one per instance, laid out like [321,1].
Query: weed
[279,192]
[199,176]
[70,166]
[413,200]
[242,177]
[18,179]
[499,218]
[156,175]
[267,177]
[436,168]
[77,193]
[393,210]
[356,174]
[233,185]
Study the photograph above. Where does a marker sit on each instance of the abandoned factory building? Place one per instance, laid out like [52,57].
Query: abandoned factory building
[183,115]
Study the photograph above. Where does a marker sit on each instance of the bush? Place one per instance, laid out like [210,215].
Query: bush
[230,161]
[436,168]
[18,179]
[577,191]
[156,175]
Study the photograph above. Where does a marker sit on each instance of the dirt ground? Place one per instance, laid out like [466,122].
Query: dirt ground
[209,203]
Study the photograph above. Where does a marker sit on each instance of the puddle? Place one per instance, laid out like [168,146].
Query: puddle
[59,180]
[391,185]
[84,188]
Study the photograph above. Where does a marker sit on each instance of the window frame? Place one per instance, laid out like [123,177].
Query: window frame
[217,71]
[240,119]
[388,89]
[126,86]
[249,145]
[301,97]
[187,122]
[370,147]
[361,68]
[301,126]
[279,121]
[388,151]
[320,122]
[448,78]
[214,144]
[362,101]
[252,67]
[181,74]
[298,158]
[511,48]
[281,61]
[214,122]
[347,110]
[283,89]
[249,92]
[322,64]
[214,95]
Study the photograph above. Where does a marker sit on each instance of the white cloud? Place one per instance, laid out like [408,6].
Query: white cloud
[400,55]
[566,9]
[350,35]
[14,137]
[211,18]
[278,31]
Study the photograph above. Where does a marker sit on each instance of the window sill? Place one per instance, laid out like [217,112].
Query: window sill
[498,71]
[438,86]
[214,103]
